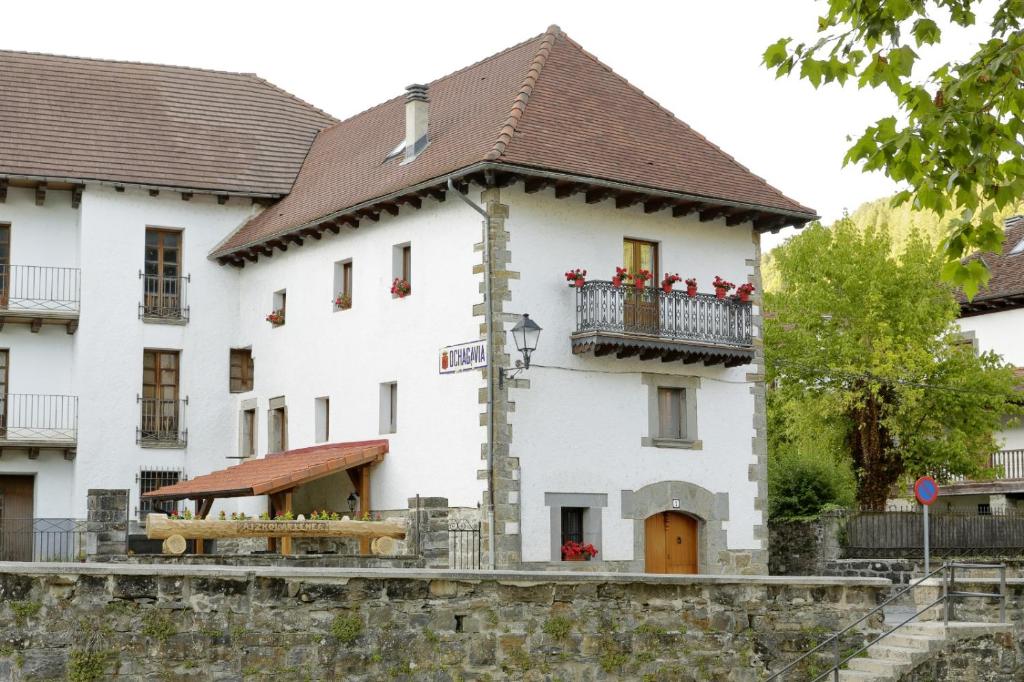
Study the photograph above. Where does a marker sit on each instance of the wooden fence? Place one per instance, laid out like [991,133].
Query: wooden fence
[892,534]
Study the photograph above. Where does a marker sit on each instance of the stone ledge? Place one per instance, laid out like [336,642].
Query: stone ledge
[535,577]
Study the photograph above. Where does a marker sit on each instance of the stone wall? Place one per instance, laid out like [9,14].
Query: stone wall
[107,529]
[990,658]
[101,621]
[804,547]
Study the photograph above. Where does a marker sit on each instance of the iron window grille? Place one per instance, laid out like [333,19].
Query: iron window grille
[154,479]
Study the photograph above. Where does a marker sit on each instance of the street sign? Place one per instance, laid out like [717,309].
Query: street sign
[926,490]
[463,357]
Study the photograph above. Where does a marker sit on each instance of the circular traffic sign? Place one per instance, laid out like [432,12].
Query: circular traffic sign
[926,490]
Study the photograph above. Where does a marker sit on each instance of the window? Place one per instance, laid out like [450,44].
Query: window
[576,517]
[401,264]
[5,263]
[343,285]
[241,370]
[572,524]
[162,283]
[278,425]
[248,435]
[280,306]
[150,480]
[672,412]
[5,365]
[389,407]
[984,509]
[161,419]
[322,414]
[640,255]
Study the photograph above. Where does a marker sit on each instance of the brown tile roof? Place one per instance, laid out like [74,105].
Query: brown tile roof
[544,104]
[276,472]
[1006,286]
[169,126]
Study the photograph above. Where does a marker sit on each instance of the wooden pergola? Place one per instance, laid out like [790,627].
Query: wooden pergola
[278,475]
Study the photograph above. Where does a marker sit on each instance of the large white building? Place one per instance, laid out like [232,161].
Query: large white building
[994,322]
[197,270]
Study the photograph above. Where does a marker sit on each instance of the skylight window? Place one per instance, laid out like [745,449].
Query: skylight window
[397,151]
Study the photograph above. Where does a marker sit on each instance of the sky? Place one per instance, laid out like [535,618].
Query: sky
[699,59]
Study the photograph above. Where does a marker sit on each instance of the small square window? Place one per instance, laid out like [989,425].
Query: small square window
[671,413]
[401,268]
[984,510]
[343,285]
[277,315]
[389,407]
[153,480]
[241,370]
[248,435]
[322,414]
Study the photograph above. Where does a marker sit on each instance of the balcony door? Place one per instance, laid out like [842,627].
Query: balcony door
[5,264]
[160,407]
[162,275]
[5,361]
[16,511]
[640,306]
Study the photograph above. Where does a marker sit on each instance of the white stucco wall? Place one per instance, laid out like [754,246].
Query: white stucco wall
[578,428]
[41,363]
[109,344]
[1001,332]
[346,355]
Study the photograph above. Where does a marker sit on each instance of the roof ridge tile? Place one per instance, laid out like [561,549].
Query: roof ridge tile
[525,90]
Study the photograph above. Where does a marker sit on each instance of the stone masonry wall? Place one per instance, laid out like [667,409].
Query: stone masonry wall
[116,622]
[990,658]
[107,525]
[804,547]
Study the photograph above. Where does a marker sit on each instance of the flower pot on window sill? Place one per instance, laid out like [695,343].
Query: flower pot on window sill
[581,557]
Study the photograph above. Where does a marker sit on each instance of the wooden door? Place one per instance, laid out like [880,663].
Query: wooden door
[640,306]
[671,543]
[5,362]
[5,264]
[16,518]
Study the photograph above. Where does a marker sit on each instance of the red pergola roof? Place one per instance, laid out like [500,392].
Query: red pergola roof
[275,472]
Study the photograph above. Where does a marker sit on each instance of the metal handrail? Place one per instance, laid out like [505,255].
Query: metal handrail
[947,570]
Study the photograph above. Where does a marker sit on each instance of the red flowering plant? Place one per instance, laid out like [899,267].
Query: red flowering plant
[641,278]
[573,550]
[621,275]
[342,302]
[576,278]
[722,286]
[743,291]
[691,286]
[276,317]
[666,284]
[401,287]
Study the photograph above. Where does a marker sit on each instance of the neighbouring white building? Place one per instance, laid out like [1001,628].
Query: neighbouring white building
[994,321]
[198,269]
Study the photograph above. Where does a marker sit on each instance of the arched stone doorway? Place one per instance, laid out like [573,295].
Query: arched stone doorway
[670,543]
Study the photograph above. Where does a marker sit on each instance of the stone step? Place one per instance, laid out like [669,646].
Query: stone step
[897,653]
[880,666]
[860,676]
[911,641]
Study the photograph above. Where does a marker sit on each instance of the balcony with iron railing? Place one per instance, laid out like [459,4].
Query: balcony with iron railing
[34,422]
[164,299]
[38,295]
[651,323]
[162,423]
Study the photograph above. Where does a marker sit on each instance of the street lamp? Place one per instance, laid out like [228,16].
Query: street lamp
[525,334]
[353,502]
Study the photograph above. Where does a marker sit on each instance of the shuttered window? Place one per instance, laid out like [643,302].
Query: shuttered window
[241,370]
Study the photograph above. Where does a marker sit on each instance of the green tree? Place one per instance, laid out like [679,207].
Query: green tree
[865,361]
[955,141]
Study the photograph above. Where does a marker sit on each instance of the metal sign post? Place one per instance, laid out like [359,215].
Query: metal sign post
[926,490]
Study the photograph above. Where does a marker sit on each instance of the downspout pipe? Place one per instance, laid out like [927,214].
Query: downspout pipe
[489,334]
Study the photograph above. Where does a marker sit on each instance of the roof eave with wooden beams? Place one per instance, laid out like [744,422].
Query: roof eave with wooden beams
[564,185]
[992,304]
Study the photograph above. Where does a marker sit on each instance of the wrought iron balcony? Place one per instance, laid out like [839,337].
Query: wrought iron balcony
[651,323]
[162,423]
[163,298]
[31,422]
[37,295]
